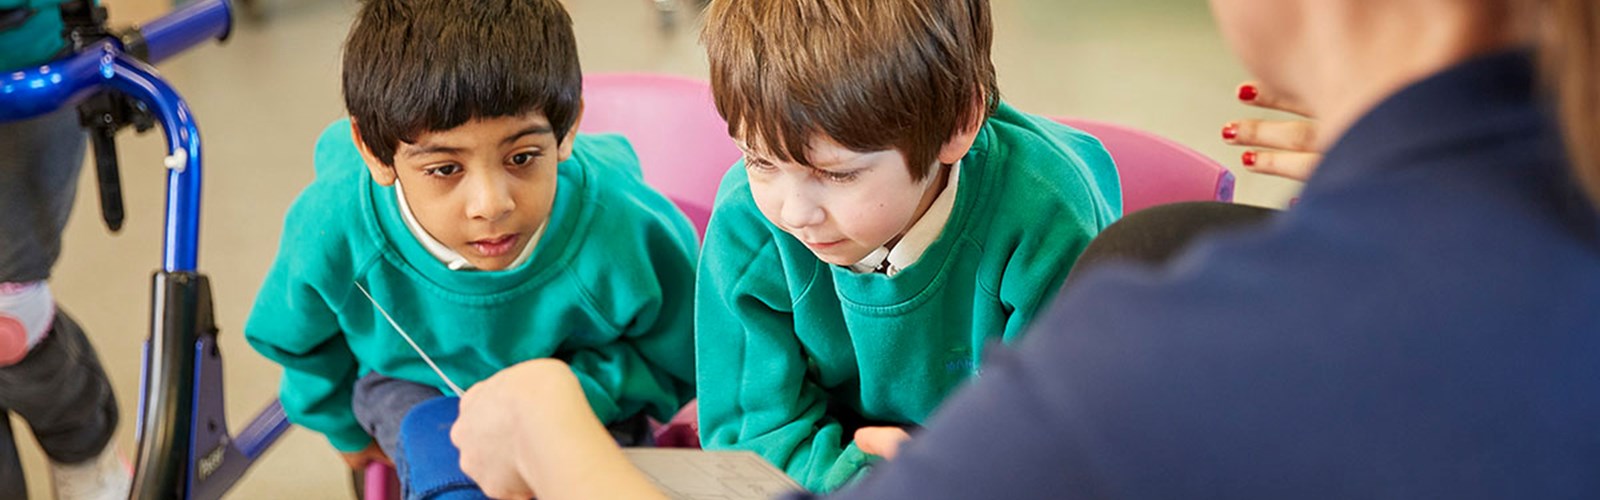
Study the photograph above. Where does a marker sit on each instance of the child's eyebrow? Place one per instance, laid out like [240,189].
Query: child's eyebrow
[531,130]
[831,163]
[839,160]
[429,149]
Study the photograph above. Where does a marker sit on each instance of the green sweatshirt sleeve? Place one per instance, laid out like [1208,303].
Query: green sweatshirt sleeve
[1038,266]
[1039,258]
[36,40]
[649,367]
[293,324]
[755,394]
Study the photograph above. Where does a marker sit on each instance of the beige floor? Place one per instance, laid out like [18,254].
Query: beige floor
[262,98]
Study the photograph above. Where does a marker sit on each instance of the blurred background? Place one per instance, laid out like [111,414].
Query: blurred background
[262,98]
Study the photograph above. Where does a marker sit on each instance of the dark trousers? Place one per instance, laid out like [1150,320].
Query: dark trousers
[62,392]
[59,389]
[381,403]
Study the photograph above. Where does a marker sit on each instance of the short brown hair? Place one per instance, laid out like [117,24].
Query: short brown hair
[416,66]
[869,74]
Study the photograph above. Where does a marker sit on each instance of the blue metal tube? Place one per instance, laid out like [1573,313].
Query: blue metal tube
[139,81]
[186,27]
[40,90]
[268,425]
[33,92]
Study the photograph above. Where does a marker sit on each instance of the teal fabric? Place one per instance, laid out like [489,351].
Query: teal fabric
[36,41]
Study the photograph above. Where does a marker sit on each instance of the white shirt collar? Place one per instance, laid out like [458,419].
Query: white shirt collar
[917,239]
[449,257]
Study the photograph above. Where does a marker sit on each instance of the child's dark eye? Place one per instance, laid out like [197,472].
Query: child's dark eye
[524,159]
[759,165]
[442,170]
[840,176]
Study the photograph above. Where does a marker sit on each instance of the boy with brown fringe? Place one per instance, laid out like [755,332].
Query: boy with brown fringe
[892,218]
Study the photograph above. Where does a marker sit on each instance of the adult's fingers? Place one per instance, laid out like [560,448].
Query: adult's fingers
[1289,135]
[1297,166]
[1254,94]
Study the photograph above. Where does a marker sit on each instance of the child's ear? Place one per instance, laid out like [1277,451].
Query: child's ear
[954,149]
[565,151]
[382,173]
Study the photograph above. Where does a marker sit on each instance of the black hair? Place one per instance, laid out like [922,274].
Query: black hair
[415,66]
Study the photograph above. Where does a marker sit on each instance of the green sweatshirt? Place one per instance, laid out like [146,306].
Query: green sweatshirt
[37,39]
[607,290]
[794,354]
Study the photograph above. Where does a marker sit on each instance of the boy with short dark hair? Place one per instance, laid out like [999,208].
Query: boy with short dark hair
[459,225]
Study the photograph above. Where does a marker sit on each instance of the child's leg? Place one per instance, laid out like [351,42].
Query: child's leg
[62,392]
[12,482]
[49,375]
[39,164]
[381,403]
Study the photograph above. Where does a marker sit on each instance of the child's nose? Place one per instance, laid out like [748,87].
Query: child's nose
[491,199]
[800,211]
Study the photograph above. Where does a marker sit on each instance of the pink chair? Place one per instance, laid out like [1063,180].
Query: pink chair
[684,149]
[682,142]
[380,483]
[683,431]
[1155,170]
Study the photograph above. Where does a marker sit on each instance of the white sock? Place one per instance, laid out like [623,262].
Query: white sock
[104,477]
[27,311]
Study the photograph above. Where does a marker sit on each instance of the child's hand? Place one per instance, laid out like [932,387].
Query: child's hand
[1293,150]
[881,441]
[360,459]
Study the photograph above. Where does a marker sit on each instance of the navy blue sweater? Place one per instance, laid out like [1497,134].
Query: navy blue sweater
[1424,324]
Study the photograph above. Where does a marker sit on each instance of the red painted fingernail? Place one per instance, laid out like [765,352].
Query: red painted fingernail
[1247,93]
[1230,132]
[1249,158]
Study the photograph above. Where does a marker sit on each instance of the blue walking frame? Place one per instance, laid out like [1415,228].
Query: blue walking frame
[184,447]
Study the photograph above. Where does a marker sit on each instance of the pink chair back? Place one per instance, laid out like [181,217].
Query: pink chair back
[684,150]
[380,483]
[683,431]
[682,142]
[1156,170]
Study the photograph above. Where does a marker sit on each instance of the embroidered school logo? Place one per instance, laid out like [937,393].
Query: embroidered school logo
[959,360]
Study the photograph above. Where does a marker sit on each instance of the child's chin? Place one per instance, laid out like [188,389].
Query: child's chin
[491,264]
[835,259]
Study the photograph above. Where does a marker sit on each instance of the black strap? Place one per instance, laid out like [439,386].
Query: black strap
[15,17]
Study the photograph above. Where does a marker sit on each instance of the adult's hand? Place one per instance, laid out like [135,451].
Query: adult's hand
[1282,148]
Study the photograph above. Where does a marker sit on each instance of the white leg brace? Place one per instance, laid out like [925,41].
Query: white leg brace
[26,313]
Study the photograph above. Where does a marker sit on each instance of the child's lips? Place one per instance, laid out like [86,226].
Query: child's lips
[822,245]
[494,247]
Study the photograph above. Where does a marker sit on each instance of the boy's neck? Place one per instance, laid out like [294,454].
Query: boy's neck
[941,179]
